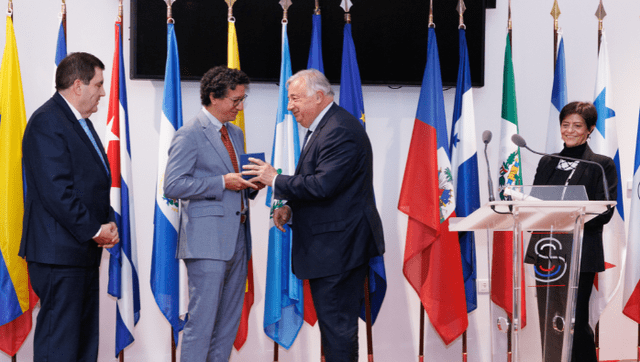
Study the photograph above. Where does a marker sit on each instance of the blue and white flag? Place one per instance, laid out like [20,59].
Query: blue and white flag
[604,141]
[464,159]
[351,99]
[61,48]
[558,101]
[165,268]
[283,302]
[123,262]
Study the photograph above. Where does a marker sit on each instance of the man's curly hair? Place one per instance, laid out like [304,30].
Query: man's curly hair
[218,80]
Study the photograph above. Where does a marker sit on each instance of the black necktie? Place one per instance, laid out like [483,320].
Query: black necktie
[306,138]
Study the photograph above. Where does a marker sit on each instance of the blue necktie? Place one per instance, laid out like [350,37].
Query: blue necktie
[306,138]
[86,129]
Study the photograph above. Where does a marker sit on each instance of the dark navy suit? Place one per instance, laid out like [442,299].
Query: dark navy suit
[336,226]
[67,201]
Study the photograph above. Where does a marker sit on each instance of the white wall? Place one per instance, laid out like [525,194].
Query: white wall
[390,117]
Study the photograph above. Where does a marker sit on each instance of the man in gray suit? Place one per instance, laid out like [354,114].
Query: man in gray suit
[214,238]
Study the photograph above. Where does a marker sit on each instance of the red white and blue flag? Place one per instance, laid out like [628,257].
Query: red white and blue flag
[464,158]
[558,100]
[432,262]
[631,296]
[123,262]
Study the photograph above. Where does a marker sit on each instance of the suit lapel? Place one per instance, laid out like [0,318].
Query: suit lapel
[83,135]
[213,135]
[317,133]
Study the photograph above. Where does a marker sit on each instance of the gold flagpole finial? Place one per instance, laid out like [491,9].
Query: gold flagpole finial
[461,9]
[10,9]
[346,5]
[431,23]
[119,12]
[555,13]
[285,7]
[510,24]
[63,8]
[169,13]
[600,14]
[316,11]
[230,17]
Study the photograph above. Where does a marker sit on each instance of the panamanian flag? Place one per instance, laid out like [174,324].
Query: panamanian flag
[558,100]
[284,297]
[166,271]
[604,141]
[464,159]
[123,262]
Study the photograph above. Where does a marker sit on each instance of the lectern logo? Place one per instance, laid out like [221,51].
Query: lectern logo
[551,264]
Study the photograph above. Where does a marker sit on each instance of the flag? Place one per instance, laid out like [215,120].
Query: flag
[315,51]
[604,141]
[165,268]
[464,158]
[351,99]
[61,46]
[123,260]
[558,101]
[233,62]
[283,301]
[510,174]
[631,295]
[17,299]
[432,263]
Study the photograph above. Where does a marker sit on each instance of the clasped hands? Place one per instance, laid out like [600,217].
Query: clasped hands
[108,236]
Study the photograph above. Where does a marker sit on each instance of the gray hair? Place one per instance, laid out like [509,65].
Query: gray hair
[314,80]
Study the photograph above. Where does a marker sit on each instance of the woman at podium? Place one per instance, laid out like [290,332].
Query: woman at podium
[577,122]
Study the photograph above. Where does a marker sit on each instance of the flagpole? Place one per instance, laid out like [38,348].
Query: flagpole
[421,344]
[63,15]
[555,13]
[515,304]
[118,20]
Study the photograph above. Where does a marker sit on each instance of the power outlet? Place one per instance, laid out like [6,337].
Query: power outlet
[483,286]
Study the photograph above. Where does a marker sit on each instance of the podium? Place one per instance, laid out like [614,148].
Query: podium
[546,224]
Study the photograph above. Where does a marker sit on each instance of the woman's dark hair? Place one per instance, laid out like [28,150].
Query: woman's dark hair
[218,80]
[76,66]
[585,110]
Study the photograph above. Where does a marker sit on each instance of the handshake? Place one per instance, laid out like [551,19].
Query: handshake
[108,236]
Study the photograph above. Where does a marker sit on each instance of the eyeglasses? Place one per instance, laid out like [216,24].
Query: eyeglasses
[237,101]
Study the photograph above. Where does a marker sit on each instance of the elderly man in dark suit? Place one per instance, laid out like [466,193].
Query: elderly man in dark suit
[67,218]
[215,234]
[336,226]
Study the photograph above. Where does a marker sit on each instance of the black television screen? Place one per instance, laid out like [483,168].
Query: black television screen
[390,37]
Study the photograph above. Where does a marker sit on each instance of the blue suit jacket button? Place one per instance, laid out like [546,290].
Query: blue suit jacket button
[237,212]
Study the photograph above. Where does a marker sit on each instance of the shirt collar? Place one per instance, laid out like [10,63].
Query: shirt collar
[214,121]
[73,109]
[316,121]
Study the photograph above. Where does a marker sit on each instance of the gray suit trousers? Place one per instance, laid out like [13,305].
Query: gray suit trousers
[216,294]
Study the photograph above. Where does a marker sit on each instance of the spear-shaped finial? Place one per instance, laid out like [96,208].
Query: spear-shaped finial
[316,11]
[169,13]
[346,5]
[555,12]
[509,24]
[230,13]
[431,23]
[10,9]
[119,12]
[600,14]
[285,6]
[461,9]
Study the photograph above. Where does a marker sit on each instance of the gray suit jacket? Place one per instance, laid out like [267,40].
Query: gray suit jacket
[210,218]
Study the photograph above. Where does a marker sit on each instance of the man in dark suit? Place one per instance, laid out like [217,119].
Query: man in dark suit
[336,226]
[67,216]
[215,235]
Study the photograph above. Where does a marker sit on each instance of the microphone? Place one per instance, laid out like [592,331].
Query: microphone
[486,138]
[520,142]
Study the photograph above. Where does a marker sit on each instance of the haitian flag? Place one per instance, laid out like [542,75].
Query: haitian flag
[165,268]
[351,99]
[123,261]
[464,159]
[284,297]
[432,263]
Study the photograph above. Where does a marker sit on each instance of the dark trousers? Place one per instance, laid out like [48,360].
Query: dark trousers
[584,346]
[337,299]
[67,324]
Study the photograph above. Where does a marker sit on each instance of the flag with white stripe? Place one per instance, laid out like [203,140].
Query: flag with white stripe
[604,141]
[631,296]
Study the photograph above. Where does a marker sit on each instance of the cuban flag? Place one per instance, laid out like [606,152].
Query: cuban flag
[631,296]
[165,268]
[123,262]
[284,300]
[351,99]
[604,141]
[464,159]
[432,263]
[558,100]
